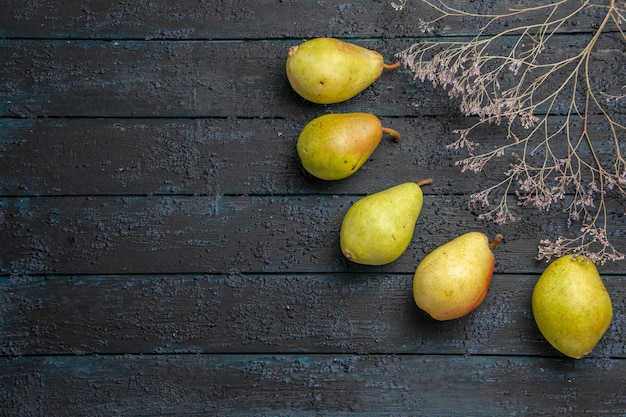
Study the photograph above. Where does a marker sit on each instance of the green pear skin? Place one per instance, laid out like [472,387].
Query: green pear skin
[335,146]
[452,280]
[327,70]
[571,305]
[378,228]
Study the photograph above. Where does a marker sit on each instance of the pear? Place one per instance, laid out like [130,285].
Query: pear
[453,279]
[335,146]
[327,70]
[571,306]
[378,228]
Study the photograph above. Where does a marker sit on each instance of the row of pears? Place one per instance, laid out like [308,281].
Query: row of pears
[570,304]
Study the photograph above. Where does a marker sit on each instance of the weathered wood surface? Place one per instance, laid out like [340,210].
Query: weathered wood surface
[196,234]
[232,156]
[164,253]
[241,19]
[279,313]
[56,78]
[311,385]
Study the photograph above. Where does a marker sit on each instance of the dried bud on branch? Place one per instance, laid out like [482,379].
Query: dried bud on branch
[556,157]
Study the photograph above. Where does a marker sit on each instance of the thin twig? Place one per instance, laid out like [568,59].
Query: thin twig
[525,88]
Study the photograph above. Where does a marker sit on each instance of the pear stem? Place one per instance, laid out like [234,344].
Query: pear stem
[496,240]
[394,133]
[425,182]
[391,66]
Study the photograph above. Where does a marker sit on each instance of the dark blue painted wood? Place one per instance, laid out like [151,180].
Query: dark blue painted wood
[278,313]
[162,252]
[306,385]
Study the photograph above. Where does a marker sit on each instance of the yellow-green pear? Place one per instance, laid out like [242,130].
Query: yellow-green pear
[378,228]
[453,279]
[335,146]
[327,70]
[571,305]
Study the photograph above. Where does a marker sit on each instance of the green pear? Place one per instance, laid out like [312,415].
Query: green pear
[335,146]
[571,306]
[453,279]
[327,70]
[378,228]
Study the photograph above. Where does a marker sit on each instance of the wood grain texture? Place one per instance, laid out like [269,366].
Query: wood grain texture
[279,313]
[236,156]
[213,234]
[240,19]
[55,78]
[311,385]
[163,253]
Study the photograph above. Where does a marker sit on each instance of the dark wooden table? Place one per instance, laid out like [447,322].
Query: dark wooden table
[164,253]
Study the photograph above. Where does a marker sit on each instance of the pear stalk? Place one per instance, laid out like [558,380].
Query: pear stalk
[393,133]
[453,279]
[327,70]
[377,229]
[334,146]
[393,66]
[496,240]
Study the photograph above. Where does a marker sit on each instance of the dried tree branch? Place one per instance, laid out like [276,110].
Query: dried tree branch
[555,159]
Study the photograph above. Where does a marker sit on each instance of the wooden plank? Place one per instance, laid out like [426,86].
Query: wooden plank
[208,156]
[311,385]
[216,79]
[352,312]
[236,19]
[160,79]
[69,157]
[222,234]
[157,261]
